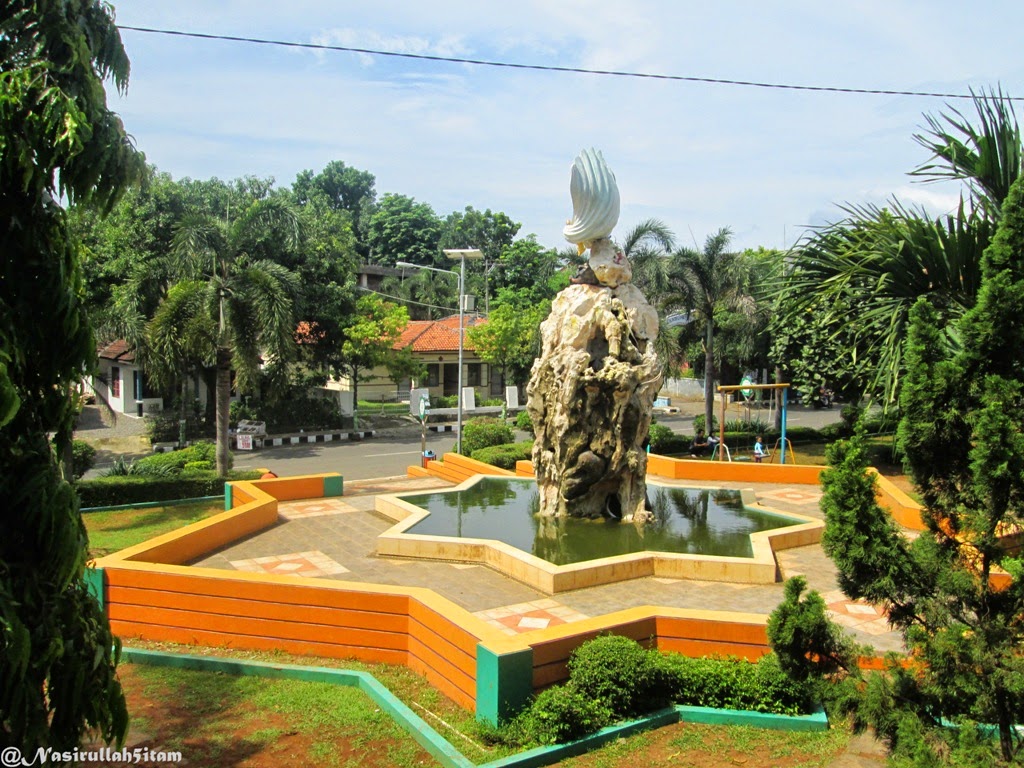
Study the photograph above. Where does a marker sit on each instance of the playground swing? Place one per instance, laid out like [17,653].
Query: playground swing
[721,450]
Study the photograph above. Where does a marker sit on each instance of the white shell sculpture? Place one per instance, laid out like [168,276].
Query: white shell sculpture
[595,199]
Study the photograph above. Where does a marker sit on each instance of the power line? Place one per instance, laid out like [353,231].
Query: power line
[553,68]
[407,301]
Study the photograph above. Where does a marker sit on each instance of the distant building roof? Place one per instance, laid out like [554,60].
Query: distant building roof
[119,351]
[437,335]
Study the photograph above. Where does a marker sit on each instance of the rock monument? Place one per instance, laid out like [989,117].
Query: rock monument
[592,389]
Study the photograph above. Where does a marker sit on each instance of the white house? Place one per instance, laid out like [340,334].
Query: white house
[121,382]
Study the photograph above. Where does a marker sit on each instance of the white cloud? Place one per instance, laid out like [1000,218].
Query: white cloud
[699,156]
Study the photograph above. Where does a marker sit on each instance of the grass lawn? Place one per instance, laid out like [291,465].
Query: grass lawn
[219,720]
[118,529]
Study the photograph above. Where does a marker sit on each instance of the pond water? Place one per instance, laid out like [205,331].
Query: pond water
[686,520]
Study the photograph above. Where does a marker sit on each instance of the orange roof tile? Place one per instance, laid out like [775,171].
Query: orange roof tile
[436,335]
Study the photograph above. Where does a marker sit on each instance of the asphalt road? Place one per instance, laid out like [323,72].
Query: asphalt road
[389,456]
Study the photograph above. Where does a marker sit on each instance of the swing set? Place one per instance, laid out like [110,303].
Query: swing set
[721,451]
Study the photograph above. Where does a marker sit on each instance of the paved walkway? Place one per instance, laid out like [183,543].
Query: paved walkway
[335,538]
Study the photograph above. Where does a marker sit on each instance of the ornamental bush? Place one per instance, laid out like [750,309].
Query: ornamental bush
[559,714]
[83,457]
[505,456]
[524,422]
[483,432]
[620,673]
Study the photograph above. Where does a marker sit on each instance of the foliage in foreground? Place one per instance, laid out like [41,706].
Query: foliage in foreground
[956,592]
[612,678]
[58,140]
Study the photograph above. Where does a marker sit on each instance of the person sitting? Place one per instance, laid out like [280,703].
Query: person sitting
[700,445]
[759,451]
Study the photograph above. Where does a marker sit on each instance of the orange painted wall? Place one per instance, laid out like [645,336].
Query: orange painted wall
[692,633]
[302,616]
[739,471]
[456,468]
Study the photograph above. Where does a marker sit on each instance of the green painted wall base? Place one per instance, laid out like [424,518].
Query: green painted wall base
[334,485]
[504,683]
[93,578]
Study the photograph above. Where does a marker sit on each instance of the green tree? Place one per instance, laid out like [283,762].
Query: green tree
[704,283]
[528,270]
[400,229]
[252,300]
[339,187]
[510,338]
[402,365]
[369,339]
[882,259]
[648,246]
[181,338]
[962,436]
[58,140]
[490,232]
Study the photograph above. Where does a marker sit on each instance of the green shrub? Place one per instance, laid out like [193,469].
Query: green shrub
[138,489]
[505,456]
[666,442]
[175,461]
[83,457]
[198,466]
[483,432]
[444,401]
[756,426]
[731,683]
[492,402]
[166,429]
[618,672]
[524,422]
[560,714]
[239,411]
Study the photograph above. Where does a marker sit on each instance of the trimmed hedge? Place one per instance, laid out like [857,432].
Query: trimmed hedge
[505,456]
[613,677]
[484,432]
[137,489]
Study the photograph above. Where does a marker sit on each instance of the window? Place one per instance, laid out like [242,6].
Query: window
[473,375]
[433,374]
[115,382]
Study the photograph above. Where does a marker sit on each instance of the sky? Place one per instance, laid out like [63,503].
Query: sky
[767,163]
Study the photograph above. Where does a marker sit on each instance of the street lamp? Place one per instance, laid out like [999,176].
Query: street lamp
[461,254]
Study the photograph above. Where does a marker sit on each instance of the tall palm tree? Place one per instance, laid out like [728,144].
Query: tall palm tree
[251,300]
[703,282]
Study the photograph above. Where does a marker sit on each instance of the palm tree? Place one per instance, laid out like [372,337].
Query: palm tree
[647,246]
[882,259]
[704,282]
[250,300]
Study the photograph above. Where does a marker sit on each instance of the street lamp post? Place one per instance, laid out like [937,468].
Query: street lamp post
[461,254]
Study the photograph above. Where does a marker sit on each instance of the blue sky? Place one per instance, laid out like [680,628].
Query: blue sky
[766,163]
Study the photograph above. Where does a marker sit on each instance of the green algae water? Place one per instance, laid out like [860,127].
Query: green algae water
[686,520]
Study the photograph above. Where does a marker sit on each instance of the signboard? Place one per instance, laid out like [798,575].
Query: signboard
[424,401]
[746,382]
[244,442]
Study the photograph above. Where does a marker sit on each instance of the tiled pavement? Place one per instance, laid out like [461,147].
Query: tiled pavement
[335,538]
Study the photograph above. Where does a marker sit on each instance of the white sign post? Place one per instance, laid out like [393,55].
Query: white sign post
[244,442]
